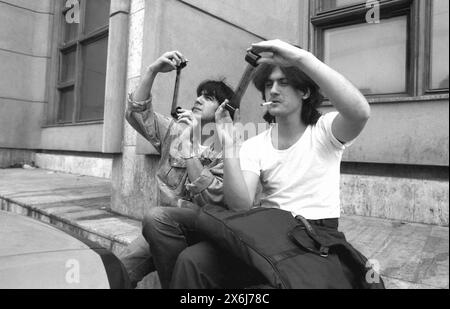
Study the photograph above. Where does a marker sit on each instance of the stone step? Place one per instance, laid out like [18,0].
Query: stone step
[78,204]
[87,218]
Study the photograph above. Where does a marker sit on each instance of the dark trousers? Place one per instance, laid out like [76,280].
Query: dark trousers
[203,266]
[183,260]
[137,260]
[168,231]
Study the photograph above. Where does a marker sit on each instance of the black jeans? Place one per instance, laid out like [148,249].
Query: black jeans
[184,260]
[168,231]
[331,223]
[137,260]
[204,266]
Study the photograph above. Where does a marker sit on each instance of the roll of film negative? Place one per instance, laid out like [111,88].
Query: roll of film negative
[174,108]
[235,102]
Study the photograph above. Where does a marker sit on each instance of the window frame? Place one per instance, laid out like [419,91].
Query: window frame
[427,87]
[418,60]
[60,47]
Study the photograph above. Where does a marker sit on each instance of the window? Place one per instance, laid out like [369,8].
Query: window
[381,58]
[82,54]
[374,68]
[439,30]
[335,4]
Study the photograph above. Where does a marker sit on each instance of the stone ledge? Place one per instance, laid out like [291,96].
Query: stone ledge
[10,157]
[73,164]
[405,199]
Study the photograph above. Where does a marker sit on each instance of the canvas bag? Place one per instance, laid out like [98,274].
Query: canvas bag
[290,253]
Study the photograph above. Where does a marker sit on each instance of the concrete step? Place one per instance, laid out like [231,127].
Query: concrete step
[409,255]
[79,204]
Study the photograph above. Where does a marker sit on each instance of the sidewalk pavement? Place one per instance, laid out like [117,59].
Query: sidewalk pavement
[410,255]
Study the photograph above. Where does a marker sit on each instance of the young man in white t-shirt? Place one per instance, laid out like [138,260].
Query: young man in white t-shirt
[298,163]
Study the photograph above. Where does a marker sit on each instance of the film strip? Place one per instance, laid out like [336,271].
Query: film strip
[235,101]
[242,86]
[174,108]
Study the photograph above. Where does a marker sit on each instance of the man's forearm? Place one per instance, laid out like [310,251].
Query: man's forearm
[194,168]
[236,192]
[347,99]
[142,92]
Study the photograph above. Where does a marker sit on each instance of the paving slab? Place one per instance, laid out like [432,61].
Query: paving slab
[409,252]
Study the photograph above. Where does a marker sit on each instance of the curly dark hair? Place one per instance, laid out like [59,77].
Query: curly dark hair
[216,88]
[299,80]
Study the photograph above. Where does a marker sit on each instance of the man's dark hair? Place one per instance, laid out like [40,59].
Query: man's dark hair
[216,88]
[298,80]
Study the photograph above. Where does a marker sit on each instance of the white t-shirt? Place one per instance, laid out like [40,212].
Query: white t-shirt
[304,178]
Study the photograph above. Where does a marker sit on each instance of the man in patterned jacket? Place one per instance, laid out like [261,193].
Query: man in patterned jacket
[189,173]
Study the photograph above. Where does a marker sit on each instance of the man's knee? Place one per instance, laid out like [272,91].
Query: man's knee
[193,253]
[188,271]
[198,267]
[154,217]
[198,256]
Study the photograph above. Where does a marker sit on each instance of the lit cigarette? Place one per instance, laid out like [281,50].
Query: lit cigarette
[230,108]
[265,104]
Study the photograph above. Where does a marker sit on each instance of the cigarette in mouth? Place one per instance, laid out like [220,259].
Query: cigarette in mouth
[265,104]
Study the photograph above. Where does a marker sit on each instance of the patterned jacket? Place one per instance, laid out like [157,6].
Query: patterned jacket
[174,187]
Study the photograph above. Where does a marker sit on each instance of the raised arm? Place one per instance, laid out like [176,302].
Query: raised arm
[139,113]
[353,108]
[239,187]
[166,63]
